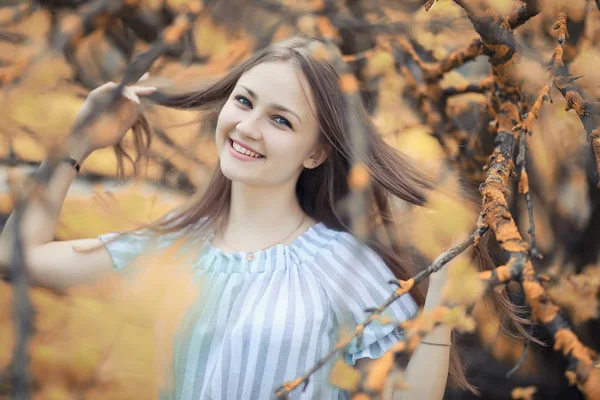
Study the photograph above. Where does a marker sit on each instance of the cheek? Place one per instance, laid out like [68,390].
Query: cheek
[225,122]
[287,150]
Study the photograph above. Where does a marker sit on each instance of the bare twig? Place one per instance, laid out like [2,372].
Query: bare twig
[376,312]
[527,10]
[478,87]
[588,111]
[499,42]
[433,72]
[22,313]
[524,188]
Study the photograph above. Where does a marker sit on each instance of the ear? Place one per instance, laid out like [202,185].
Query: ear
[318,156]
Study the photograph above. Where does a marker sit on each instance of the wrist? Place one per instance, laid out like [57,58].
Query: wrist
[434,296]
[438,279]
[77,151]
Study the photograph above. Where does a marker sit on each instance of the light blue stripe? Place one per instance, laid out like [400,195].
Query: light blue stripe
[261,323]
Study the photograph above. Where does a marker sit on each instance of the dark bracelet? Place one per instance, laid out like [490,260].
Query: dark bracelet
[437,344]
[73,162]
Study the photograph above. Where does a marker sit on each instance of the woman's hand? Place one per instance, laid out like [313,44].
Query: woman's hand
[109,128]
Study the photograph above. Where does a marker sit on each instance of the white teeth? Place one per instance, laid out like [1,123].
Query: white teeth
[243,150]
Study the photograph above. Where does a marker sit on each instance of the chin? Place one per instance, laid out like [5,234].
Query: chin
[235,173]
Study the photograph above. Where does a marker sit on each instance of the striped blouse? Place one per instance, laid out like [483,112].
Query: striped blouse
[267,321]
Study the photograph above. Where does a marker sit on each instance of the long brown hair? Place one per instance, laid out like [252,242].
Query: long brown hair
[320,190]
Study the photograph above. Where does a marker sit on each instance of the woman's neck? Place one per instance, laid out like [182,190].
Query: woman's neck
[261,216]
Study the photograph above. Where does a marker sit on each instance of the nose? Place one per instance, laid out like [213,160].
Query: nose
[249,127]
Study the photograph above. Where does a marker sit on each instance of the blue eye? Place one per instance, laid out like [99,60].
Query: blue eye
[240,99]
[284,121]
[278,118]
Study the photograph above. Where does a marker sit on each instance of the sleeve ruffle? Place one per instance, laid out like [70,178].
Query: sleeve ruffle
[124,250]
[374,344]
[356,278]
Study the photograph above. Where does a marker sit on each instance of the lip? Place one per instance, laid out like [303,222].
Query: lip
[246,146]
[240,156]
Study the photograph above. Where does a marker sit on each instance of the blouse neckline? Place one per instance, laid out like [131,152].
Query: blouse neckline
[259,254]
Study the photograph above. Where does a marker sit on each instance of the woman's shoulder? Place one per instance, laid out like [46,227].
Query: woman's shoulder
[326,239]
[339,238]
[355,276]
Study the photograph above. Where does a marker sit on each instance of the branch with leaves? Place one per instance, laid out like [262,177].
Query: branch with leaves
[73,31]
[587,111]
[506,107]
[432,98]
[506,104]
[414,326]
[499,41]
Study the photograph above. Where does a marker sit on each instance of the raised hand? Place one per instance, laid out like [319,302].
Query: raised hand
[109,128]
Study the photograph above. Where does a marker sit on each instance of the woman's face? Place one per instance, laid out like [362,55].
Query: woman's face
[269,113]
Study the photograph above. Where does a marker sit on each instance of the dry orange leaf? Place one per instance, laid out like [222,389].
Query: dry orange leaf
[344,376]
[359,177]
[523,393]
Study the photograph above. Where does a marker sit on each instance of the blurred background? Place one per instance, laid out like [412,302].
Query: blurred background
[81,349]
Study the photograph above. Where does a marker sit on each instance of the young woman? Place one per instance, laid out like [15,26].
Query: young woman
[284,267]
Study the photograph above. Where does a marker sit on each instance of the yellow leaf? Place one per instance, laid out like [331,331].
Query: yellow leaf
[344,376]
[53,392]
[457,318]
[380,63]
[103,214]
[423,148]
[503,7]
[523,393]
[50,113]
[464,285]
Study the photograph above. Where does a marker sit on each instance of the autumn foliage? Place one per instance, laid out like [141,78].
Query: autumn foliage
[496,100]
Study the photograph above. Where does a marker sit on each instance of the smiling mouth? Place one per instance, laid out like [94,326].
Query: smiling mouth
[243,151]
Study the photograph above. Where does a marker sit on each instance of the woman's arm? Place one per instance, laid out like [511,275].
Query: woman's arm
[40,218]
[427,369]
[56,265]
[53,265]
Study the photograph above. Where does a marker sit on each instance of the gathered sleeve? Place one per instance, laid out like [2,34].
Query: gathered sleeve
[355,278]
[126,249]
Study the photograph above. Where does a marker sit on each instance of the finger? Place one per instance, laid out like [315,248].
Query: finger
[142,90]
[130,94]
[144,77]
[104,87]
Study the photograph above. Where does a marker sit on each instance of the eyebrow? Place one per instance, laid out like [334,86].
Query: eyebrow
[273,105]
